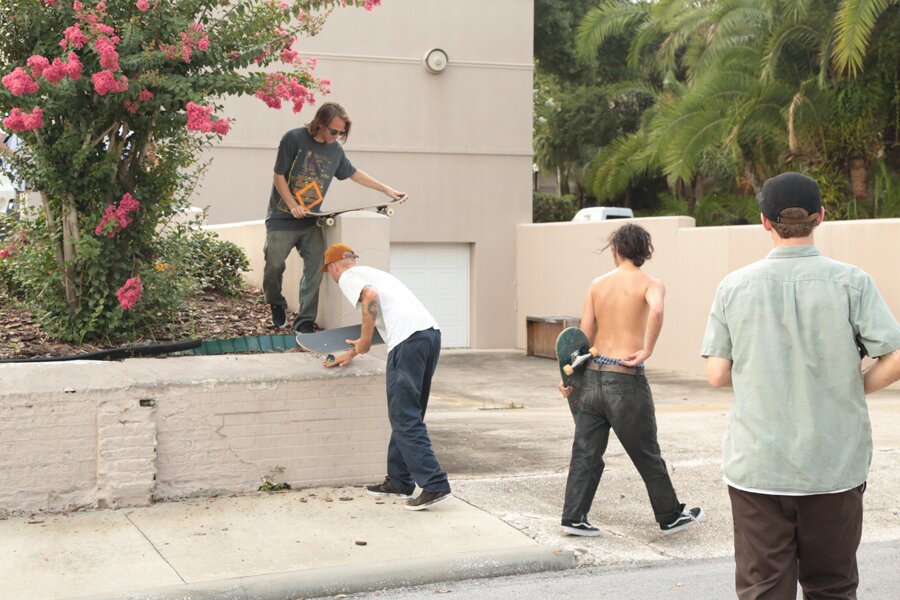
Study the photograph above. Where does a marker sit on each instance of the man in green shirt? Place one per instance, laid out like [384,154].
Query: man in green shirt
[787,332]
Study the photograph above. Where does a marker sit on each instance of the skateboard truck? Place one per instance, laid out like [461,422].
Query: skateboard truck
[578,358]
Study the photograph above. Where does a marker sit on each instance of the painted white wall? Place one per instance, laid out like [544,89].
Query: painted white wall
[459,143]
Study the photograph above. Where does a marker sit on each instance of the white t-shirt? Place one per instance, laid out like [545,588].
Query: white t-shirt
[401,314]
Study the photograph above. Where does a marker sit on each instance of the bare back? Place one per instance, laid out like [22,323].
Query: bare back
[619,306]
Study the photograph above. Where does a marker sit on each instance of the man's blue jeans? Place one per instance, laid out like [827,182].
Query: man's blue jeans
[410,458]
[623,403]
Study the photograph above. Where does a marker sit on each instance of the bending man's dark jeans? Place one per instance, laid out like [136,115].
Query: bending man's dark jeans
[624,403]
[410,459]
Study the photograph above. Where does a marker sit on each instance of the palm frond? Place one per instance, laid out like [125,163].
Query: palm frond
[600,23]
[618,164]
[853,25]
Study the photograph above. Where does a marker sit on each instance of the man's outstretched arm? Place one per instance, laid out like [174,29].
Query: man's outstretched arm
[366,180]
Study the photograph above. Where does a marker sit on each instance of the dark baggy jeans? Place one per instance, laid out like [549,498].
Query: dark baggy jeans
[780,539]
[310,244]
[410,458]
[624,403]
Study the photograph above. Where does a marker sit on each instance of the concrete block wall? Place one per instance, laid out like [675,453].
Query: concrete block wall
[98,434]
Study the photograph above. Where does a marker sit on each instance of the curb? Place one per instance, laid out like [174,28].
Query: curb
[353,580]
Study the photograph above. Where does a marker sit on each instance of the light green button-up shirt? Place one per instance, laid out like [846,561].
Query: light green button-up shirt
[799,422]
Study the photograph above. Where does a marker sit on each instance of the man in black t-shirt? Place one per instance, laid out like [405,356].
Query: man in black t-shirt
[308,159]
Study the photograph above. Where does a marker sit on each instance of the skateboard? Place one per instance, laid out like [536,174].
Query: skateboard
[331,341]
[326,218]
[573,352]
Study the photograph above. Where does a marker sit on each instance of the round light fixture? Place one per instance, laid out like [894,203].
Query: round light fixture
[436,60]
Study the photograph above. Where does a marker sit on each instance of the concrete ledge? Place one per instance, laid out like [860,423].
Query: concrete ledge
[115,434]
[359,579]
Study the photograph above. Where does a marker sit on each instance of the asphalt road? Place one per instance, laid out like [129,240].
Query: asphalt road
[709,579]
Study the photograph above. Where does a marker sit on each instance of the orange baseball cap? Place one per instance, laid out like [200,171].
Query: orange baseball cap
[335,253]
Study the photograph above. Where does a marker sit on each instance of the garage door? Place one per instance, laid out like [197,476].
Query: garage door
[439,275]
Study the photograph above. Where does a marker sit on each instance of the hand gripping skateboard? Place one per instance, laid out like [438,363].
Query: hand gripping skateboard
[326,218]
[573,353]
[331,341]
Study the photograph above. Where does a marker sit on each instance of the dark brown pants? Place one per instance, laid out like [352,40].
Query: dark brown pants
[779,540]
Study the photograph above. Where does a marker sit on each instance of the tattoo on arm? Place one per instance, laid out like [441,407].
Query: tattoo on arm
[372,308]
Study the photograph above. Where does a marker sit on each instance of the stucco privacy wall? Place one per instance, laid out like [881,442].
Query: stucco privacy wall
[557,262]
[112,434]
[459,143]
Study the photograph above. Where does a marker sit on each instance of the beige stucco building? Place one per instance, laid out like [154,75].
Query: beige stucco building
[458,142]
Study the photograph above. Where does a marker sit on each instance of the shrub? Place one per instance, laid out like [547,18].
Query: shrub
[550,208]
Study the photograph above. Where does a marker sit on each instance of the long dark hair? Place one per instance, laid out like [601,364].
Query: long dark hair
[323,117]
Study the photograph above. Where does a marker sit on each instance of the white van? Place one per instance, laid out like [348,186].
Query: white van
[602,213]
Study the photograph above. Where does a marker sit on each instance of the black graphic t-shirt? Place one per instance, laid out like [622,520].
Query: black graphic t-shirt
[308,166]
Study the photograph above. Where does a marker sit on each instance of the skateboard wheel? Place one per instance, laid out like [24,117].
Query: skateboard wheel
[329,221]
[594,352]
[389,212]
[568,370]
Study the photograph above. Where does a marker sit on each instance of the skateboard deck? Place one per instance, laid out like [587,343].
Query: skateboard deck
[573,352]
[326,218]
[332,341]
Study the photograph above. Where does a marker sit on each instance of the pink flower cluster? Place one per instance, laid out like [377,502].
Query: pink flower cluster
[22,121]
[369,4]
[279,87]
[19,82]
[130,293]
[10,250]
[199,119]
[117,218]
[133,106]
[57,70]
[195,38]
[143,5]
[105,82]
[73,35]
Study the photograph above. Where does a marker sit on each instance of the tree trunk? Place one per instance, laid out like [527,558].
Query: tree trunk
[58,249]
[752,177]
[69,238]
[859,178]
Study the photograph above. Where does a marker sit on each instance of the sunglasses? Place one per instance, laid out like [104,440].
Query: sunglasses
[336,132]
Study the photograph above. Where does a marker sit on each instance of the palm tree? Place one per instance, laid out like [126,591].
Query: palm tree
[767,83]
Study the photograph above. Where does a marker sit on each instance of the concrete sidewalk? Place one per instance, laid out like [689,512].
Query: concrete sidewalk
[311,542]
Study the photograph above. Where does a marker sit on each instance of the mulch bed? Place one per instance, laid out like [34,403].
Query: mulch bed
[205,316]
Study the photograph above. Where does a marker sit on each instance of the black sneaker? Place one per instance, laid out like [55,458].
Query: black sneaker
[308,328]
[583,528]
[279,319]
[386,489]
[687,518]
[427,500]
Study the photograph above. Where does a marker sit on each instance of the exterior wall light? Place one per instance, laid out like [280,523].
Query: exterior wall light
[435,60]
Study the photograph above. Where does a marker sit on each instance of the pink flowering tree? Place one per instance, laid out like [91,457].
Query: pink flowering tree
[114,101]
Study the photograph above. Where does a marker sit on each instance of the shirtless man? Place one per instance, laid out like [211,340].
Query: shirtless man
[623,314]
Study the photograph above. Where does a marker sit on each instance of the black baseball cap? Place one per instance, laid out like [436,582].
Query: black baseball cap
[789,190]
